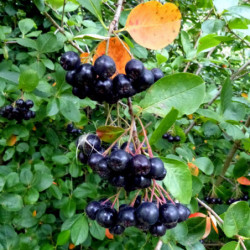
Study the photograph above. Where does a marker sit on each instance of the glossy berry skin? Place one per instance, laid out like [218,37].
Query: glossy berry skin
[183,211]
[140,165]
[33,114]
[29,104]
[104,66]
[131,146]
[122,206]
[84,75]
[103,86]
[170,138]
[245,197]
[134,68]
[92,208]
[207,199]
[145,80]
[28,115]
[165,136]
[79,92]
[147,213]
[20,103]
[156,169]
[117,229]
[177,138]
[213,201]
[142,181]
[126,217]
[138,201]
[219,201]
[123,86]
[106,217]
[118,160]
[91,144]
[8,108]
[82,158]
[230,201]
[70,127]
[168,213]
[171,225]
[162,176]
[70,77]
[158,229]
[118,181]
[102,169]
[70,60]
[158,74]
[94,159]
[106,204]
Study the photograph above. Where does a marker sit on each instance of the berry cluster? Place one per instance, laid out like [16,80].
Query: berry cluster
[95,82]
[147,216]
[71,130]
[20,112]
[122,169]
[171,138]
[245,197]
[211,200]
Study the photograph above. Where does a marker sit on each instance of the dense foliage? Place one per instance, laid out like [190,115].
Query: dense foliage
[202,103]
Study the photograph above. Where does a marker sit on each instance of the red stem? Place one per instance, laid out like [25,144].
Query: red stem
[157,198]
[141,145]
[153,190]
[146,195]
[162,196]
[133,201]
[166,193]
[116,198]
[108,199]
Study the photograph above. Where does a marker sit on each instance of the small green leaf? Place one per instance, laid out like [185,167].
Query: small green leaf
[63,237]
[226,95]
[9,76]
[109,133]
[60,159]
[11,202]
[96,230]
[196,229]
[25,25]
[205,165]
[52,108]
[69,208]
[80,230]
[165,124]
[28,80]
[42,181]
[69,110]
[232,245]
[207,42]
[26,176]
[31,196]
[94,6]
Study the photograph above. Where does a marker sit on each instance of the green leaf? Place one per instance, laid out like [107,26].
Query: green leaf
[26,42]
[42,181]
[26,176]
[31,196]
[2,182]
[9,76]
[187,45]
[183,91]
[11,202]
[40,4]
[178,180]
[226,95]
[63,237]
[69,208]
[212,26]
[52,108]
[207,42]
[235,218]
[242,10]
[60,159]
[48,43]
[25,25]
[139,51]
[232,245]
[68,223]
[196,229]
[221,5]
[56,3]
[94,6]
[109,133]
[79,231]
[28,80]
[237,23]
[232,130]
[205,165]
[8,154]
[69,110]
[56,192]
[165,124]
[96,230]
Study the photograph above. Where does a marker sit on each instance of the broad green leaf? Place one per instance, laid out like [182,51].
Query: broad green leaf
[52,108]
[69,110]
[63,237]
[221,5]
[242,10]
[68,223]
[237,23]
[212,26]
[9,76]
[26,42]
[96,230]
[31,196]
[232,245]
[48,43]
[196,229]
[11,202]
[8,154]
[187,45]
[232,130]
[69,208]
[109,133]
[80,230]
[26,176]
[235,218]
[139,51]
[56,3]
[25,25]
[40,4]
[165,124]
[56,192]
[183,91]
[210,114]
[28,80]
[42,181]
[60,159]
[2,182]
[178,180]
[205,165]
[94,6]
[226,95]
[207,42]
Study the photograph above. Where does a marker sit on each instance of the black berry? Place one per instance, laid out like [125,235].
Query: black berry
[168,213]
[158,74]
[92,144]
[147,213]
[106,217]
[123,86]
[70,60]
[145,80]
[84,75]
[126,217]
[158,229]
[134,68]
[103,86]
[156,169]
[140,165]
[94,160]
[104,66]
[118,160]
[92,209]
[117,229]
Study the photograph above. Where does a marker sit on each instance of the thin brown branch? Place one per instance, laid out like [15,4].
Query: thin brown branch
[242,39]
[64,2]
[75,45]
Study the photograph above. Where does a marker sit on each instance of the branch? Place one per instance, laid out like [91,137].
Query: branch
[242,39]
[61,30]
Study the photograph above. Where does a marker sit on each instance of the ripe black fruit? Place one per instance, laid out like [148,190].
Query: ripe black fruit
[70,77]
[104,66]
[168,213]
[123,86]
[140,165]
[156,169]
[102,169]
[145,80]
[91,144]
[147,213]
[70,60]
[103,86]
[183,211]
[84,75]
[107,203]
[158,229]
[142,181]
[158,74]
[94,159]
[131,146]
[162,176]
[170,138]
[106,217]
[117,229]
[165,136]
[126,217]
[80,92]
[29,104]
[82,158]
[92,209]
[134,68]
[20,103]
[118,160]
[177,138]
[118,180]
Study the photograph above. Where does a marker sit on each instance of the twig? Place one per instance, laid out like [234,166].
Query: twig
[242,39]
[63,13]
[159,245]
[75,45]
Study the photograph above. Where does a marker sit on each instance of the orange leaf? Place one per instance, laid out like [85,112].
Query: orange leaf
[193,169]
[197,215]
[34,213]
[12,140]
[245,95]
[190,116]
[108,234]
[208,228]
[213,220]
[244,181]
[34,128]
[71,246]
[54,84]
[116,51]
[84,57]
[154,25]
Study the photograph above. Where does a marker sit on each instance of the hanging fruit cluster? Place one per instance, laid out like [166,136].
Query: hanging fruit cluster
[95,81]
